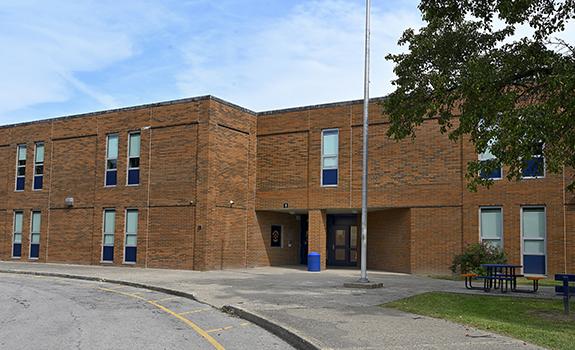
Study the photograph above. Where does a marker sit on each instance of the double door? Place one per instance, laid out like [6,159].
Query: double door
[343,245]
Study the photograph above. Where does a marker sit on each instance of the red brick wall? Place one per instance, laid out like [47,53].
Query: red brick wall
[435,239]
[389,243]
[259,245]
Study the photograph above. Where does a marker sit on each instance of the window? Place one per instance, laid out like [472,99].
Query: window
[276,237]
[134,159]
[131,239]
[486,158]
[533,229]
[111,160]
[108,235]
[39,166]
[21,168]
[329,157]
[535,167]
[35,234]
[491,226]
[17,234]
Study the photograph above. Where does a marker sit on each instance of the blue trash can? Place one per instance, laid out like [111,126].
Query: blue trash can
[313,262]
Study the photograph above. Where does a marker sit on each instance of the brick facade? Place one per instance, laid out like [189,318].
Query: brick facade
[214,177]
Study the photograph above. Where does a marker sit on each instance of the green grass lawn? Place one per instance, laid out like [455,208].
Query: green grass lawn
[538,321]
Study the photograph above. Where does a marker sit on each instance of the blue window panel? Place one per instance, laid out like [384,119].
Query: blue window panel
[534,264]
[38,182]
[494,174]
[130,254]
[17,250]
[534,167]
[20,181]
[111,177]
[134,177]
[329,177]
[108,253]
[34,250]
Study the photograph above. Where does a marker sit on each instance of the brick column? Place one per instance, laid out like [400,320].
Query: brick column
[317,235]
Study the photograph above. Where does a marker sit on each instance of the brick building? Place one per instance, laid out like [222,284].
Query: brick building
[203,184]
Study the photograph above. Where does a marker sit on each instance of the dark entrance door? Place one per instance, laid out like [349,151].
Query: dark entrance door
[342,240]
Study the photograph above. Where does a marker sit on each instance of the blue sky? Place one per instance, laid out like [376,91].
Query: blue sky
[73,56]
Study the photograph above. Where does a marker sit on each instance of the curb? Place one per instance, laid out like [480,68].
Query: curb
[285,333]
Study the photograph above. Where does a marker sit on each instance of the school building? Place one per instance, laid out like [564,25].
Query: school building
[203,184]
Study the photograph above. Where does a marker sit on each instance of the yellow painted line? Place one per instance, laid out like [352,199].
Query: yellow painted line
[191,324]
[194,311]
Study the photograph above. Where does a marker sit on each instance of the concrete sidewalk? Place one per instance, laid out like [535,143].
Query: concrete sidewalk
[313,306]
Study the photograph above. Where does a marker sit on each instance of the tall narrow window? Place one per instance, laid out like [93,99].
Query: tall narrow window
[131,239]
[535,167]
[134,159]
[329,157]
[17,234]
[108,238]
[534,234]
[39,166]
[21,168]
[487,158]
[111,160]
[35,234]
[491,226]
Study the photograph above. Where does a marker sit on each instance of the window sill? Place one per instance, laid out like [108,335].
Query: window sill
[106,262]
[128,263]
[136,185]
[532,177]
[328,186]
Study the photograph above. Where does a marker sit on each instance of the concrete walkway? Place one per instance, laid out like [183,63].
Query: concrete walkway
[313,306]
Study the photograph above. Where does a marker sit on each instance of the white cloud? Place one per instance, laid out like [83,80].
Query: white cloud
[47,43]
[312,55]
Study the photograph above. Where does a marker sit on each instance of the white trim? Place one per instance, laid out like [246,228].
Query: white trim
[501,225]
[322,158]
[537,177]
[126,235]
[18,166]
[104,235]
[36,164]
[128,168]
[106,158]
[14,233]
[30,234]
[523,240]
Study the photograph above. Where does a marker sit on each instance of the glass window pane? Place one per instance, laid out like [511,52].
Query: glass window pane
[330,142]
[340,237]
[132,221]
[35,238]
[39,169]
[18,222]
[36,218]
[111,164]
[340,254]
[112,146]
[135,145]
[109,221]
[330,162]
[493,242]
[109,239]
[534,247]
[533,223]
[22,152]
[17,238]
[134,163]
[131,240]
[39,152]
[353,238]
[491,223]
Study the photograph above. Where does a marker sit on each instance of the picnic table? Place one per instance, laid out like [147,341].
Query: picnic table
[500,276]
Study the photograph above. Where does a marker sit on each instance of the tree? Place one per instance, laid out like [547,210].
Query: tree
[470,68]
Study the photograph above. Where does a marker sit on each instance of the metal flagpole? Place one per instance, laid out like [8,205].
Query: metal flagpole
[364,161]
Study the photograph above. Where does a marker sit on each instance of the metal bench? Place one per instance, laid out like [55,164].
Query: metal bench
[565,290]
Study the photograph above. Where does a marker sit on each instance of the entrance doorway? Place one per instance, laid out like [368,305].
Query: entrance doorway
[342,239]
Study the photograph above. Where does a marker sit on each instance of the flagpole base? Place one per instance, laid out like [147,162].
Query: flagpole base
[363,285]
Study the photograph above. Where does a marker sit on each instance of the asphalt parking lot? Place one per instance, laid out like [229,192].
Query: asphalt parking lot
[51,313]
